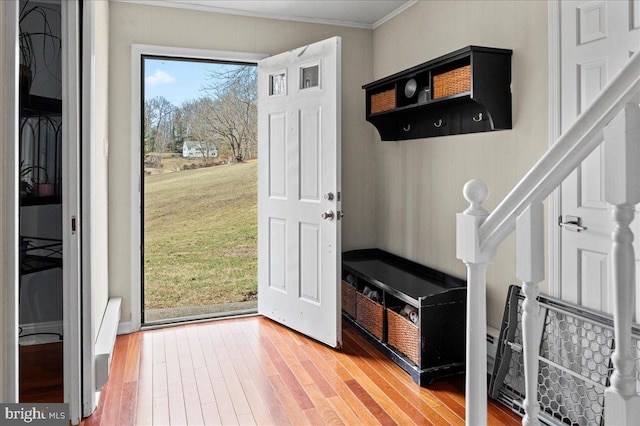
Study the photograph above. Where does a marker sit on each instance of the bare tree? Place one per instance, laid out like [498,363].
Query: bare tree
[225,118]
[178,130]
[158,112]
[232,108]
[197,126]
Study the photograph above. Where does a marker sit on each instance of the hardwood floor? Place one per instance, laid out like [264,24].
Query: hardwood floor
[254,371]
[41,373]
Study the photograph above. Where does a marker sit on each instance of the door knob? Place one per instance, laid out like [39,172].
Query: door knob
[572,223]
[328,196]
[328,215]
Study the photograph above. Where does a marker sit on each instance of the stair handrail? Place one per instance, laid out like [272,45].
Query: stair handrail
[562,157]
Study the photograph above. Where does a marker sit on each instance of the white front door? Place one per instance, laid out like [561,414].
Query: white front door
[596,40]
[299,241]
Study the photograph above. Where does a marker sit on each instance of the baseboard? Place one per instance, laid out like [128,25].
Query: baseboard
[106,340]
[125,327]
[41,332]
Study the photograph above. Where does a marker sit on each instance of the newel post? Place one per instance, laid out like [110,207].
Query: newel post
[468,250]
[622,192]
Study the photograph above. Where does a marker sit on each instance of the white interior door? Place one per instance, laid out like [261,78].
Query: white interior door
[596,40]
[299,241]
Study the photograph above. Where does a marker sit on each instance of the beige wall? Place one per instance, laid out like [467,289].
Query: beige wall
[133,23]
[419,182]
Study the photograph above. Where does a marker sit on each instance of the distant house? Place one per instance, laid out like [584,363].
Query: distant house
[197,149]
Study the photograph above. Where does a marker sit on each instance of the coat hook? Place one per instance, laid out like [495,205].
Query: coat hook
[406,129]
[478,118]
[440,123]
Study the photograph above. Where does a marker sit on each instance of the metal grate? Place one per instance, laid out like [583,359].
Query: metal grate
[574,361]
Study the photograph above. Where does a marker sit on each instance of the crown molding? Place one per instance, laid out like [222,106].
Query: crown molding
[213,9]
[393,14]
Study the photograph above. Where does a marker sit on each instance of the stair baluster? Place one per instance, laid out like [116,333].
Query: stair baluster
[530,270]
[622,192]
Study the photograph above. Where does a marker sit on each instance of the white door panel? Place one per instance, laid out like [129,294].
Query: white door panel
[299,257]
[596,38]
[593,271]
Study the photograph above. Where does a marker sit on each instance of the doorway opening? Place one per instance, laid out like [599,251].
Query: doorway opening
[199,188]
[40,136]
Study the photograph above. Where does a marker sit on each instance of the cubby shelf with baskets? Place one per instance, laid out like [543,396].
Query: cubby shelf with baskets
[430,348]
[466,91]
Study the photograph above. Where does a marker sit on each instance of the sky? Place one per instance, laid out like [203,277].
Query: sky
[177,81]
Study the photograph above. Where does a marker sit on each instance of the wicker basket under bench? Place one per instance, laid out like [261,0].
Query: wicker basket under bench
[430,349]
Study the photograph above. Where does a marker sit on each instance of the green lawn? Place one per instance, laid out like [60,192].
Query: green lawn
[200,236]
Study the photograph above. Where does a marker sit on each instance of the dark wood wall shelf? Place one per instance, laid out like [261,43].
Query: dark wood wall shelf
[26,201]
[38,105]
[434,345]
[466,91]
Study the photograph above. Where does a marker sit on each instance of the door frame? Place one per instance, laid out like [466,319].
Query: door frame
[9,206]
[137,51]
[555,130]
[9,212]
[71,195]
[87,63]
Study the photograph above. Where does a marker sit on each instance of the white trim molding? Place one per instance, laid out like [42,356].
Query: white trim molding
[125,327]
[211,7]
[9,202]
[41,332]
[71,263]
[89,400]
[137,51]
[106,340]
[395,13]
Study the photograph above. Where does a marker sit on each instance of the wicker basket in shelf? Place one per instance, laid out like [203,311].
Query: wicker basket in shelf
[383,101]
[452,82]
[349,298]
[403,335]
[370,315]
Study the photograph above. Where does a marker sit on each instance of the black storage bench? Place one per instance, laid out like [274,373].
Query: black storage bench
[430,346]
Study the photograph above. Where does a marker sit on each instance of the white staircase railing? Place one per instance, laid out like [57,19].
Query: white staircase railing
[612,119]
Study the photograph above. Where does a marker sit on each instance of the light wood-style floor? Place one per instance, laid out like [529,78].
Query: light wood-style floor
[254,371]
